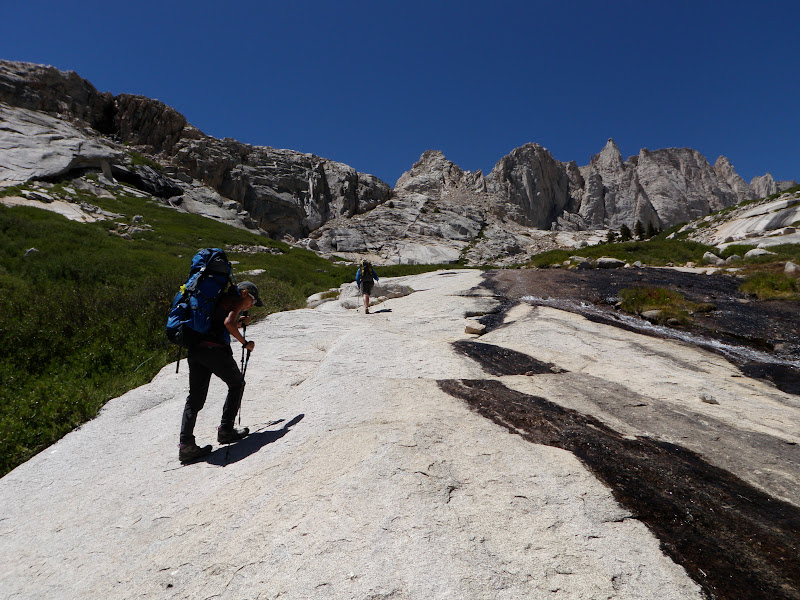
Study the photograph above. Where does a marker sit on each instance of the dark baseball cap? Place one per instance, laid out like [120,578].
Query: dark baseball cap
[252,290]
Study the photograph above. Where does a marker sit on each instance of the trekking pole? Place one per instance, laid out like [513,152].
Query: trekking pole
[243,364]
[244,383]
[244,335]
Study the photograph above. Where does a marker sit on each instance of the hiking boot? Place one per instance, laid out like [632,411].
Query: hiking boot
[190,452]
[227,436]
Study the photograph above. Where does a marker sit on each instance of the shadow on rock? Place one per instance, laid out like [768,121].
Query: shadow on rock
[231,453]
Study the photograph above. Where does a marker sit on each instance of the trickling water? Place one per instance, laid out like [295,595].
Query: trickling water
[736,353]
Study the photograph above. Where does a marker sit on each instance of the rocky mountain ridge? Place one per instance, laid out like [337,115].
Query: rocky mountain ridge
[55,123]
[284,191]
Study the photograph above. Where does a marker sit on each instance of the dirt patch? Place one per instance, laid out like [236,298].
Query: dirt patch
[734,540]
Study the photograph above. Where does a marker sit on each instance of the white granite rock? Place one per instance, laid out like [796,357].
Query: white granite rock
[362,478]
[37,145]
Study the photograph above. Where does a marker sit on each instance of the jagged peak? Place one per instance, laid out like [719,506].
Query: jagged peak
[723,161]
[609,158]
[764,177]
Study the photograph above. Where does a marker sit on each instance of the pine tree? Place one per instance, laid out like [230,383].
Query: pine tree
[651,230]
[639,230]
[625,233]
[611,237]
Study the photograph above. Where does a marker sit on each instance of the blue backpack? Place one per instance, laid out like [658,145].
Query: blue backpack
[193,306]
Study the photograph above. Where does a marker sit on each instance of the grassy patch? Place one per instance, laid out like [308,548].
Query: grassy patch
[671,304]
[138,159]
[771,286]
[657,252]
[83,318]
[13,190]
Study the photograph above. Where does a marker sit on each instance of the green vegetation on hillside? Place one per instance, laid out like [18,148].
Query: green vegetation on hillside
[655,252]
[83,315]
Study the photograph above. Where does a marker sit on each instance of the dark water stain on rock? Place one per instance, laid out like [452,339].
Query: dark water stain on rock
[499,361]
[785,377]
[737,319]
[734,540]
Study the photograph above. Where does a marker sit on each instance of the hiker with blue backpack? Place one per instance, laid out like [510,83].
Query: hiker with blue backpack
[365,279]
[206,313]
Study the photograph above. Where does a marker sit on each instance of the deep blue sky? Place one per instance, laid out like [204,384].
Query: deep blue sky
[375,84]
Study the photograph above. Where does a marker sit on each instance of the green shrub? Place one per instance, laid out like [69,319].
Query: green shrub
[672,304]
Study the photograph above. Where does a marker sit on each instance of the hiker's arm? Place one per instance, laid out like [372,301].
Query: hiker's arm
[231,324]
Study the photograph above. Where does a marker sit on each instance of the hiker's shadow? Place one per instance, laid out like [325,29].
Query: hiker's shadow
[231,453]
[383,310]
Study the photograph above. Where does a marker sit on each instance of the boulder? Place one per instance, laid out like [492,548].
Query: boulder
[652,315]
[756,252]
[791,269]
[474,327]
[712,259]
[609,263]
[708,399]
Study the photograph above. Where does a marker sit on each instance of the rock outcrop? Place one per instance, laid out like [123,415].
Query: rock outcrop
[283,191]
[661,187]
[767,222]
[763,186]
[530,187]
[35,145]
[435,176]
[440,214]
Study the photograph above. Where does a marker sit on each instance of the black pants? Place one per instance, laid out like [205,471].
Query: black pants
[203,362]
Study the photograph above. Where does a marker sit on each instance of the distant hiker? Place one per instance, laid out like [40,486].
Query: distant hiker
[365,278]
[211,354]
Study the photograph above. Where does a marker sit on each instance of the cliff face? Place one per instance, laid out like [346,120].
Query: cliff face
[533,187]
[285,192]
[662,187]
